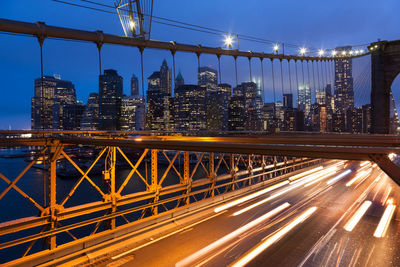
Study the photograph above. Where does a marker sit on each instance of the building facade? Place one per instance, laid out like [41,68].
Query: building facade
[110,96]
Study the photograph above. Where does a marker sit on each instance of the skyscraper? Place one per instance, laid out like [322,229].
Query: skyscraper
[47,111]
[236,113]
[132,113]
[72,116]
[253,106]
[90,117]
[65,98]
[343,90]
[190,108]
[217,108]
[304,100]
[207,78]
[134,85]
[110,95]
[179,80]
[165,78]
[288,101]
[159,115]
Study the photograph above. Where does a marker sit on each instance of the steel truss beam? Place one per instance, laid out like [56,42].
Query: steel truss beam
[41,29]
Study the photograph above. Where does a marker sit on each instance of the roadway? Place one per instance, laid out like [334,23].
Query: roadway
[300,222]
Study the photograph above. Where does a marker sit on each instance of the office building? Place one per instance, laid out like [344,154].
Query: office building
[110,96]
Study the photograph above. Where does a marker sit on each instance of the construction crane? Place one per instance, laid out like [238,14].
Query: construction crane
[135,17]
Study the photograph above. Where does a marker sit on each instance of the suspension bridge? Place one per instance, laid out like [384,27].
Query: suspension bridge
[147,189]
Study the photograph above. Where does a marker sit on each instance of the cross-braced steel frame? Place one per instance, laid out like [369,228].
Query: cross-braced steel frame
[198,176]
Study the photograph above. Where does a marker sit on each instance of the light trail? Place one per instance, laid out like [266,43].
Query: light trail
[386,195]
[163,237]
[192,258]
[364,163]
[338,177]
[251,196]
[329,173]
[273,238]
[298,176]
[357,216]
[358,176]
[385,221]
[296,184]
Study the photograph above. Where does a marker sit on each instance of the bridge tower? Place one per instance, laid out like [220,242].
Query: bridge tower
[385,66]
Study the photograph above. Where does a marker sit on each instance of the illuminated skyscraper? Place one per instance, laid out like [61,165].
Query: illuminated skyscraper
[49,101]
[132,113]
[65,99]
[179,80]
[343,90]
[217,108]
[134,85]
[190,108]
[207,78]
[90,117]
[110,95]
[304,100]
[159,116]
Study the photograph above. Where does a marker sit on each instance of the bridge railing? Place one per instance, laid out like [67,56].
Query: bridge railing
[88,189]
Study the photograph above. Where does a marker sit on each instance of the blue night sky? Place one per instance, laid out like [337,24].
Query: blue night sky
[312,23]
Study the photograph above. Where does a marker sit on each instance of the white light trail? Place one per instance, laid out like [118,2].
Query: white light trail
[358,176]
[386,194]
[297,176]
[273,238]
[327,173]
[192,258]
[385,221]
[364,163]
[338,177]
[298,183]
[357,216]
[251,196]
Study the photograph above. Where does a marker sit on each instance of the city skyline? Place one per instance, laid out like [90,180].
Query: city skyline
[116,58]
[173,105]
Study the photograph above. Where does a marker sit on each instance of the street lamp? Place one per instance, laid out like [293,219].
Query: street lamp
[276,48]
[228,41]
[321,52]
[303,51]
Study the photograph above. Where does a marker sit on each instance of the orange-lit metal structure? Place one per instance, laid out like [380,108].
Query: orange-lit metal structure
[223,171]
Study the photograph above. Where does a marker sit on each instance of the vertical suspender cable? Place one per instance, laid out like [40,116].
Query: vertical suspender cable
[281,79]
[319,83]
[173,68]
[273,82]
[262,79]
[326,73]
[308,76]
[331,73]
[141,69]
[302,71]
[41,85]
[41,40]
[297,83]
[314,85]
[99,50]
[236,74]
[141,49]
[251,78]
[322,76]
[290,78]
[219,68]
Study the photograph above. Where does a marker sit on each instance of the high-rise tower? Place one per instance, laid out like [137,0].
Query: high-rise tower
[110,95]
